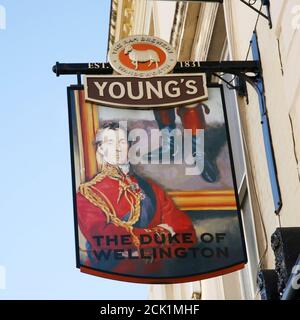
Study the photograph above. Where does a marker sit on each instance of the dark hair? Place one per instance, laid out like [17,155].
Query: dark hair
[112,126]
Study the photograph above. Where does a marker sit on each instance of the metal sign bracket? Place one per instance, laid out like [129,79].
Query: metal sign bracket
[245,71]
[265,3]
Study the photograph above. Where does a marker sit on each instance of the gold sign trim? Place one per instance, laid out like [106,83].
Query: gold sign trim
[204,200]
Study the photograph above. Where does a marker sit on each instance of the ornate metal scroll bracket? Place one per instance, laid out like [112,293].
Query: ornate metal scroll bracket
[265,3]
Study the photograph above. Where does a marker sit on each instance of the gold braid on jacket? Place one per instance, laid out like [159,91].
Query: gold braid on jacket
[98,199]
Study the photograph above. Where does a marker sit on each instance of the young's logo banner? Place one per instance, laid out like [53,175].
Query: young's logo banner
[164,91]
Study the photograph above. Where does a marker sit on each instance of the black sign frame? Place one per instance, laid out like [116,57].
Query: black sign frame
[136,279]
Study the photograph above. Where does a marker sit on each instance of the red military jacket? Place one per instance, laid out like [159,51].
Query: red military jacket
[115,210]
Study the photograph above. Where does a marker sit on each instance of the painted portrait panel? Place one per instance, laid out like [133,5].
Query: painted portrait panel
[155,196]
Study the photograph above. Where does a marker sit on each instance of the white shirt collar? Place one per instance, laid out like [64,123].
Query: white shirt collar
[125,168]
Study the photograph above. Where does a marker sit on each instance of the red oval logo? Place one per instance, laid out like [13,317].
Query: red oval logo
[142,57]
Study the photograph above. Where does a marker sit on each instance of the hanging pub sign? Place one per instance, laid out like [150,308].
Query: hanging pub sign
[155,195]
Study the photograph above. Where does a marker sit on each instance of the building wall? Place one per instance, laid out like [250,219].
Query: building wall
[280,49]
[203,31]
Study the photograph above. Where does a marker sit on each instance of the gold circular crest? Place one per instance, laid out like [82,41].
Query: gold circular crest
[142,56]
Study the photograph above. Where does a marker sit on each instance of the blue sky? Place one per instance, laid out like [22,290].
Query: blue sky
[36,215]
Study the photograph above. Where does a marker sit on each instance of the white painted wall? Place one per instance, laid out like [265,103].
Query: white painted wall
[280,52]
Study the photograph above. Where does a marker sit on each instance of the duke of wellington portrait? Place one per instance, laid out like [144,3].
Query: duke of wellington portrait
[154,191]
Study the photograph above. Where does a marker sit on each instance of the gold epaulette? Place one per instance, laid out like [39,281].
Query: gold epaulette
[96,197]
